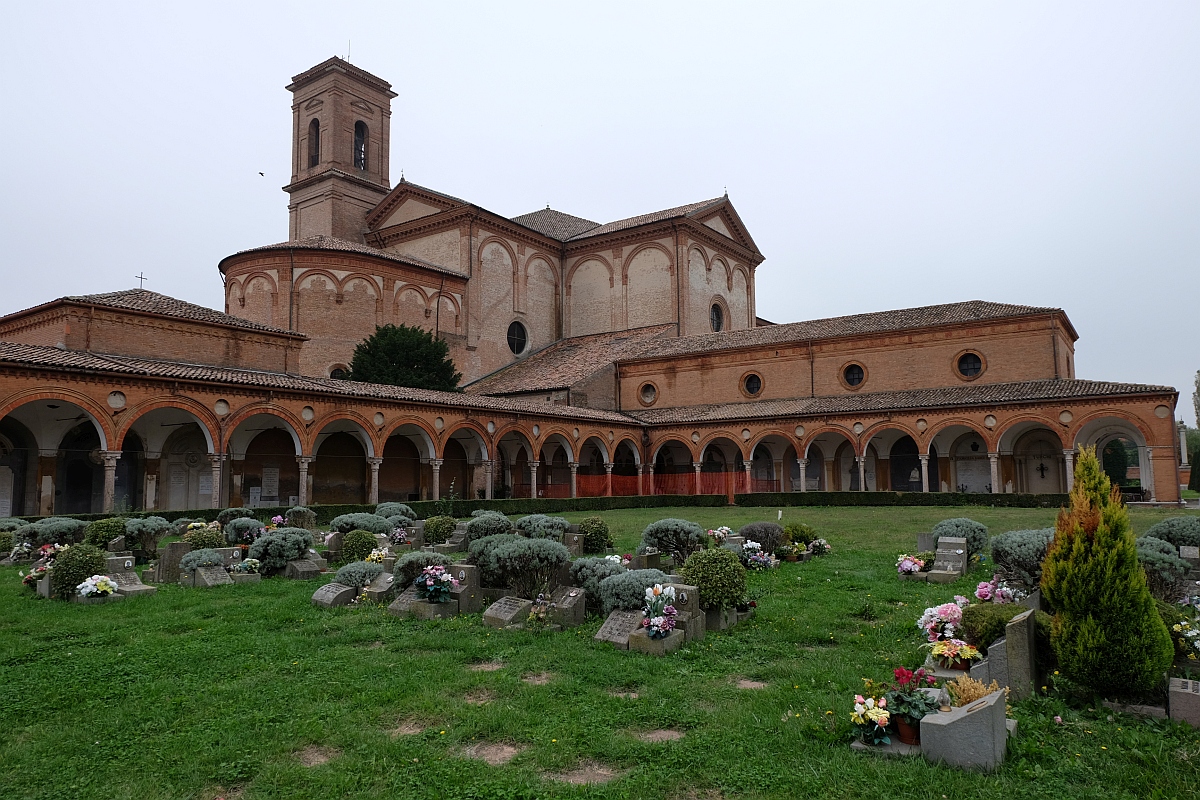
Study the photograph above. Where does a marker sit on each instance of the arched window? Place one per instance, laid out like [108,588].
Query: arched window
[314,143]
[716,317]
[360,145]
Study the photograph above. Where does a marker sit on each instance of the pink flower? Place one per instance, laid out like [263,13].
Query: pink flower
[984,591]
[858,698]
[1058,719]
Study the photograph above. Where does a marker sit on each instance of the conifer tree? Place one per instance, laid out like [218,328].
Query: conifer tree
[1107,633]
[404,356]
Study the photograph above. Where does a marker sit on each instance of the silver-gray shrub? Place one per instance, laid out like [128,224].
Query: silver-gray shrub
[489,524]
[976,533]
[410,565]
[229,514]
[768,534]
[627,590]
[55,530]
[242,529]
[11,524]
[144,533]
[300,517]
[677,538]
[540,526]
[529,566]
[1019,554]
[201,558]
[1179,531]
[480,552]
[1166,572]
[362,522]
[275,548]
[395,509]
[586,573]
[358,573]
[399,521]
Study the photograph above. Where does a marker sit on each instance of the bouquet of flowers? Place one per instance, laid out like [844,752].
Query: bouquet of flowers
[398,536]
[540,612]
[659,612]
[998,591]
[435,584]
[23,551]
[48,552]
[30,579]
[247,566]
[909,565]
[277,520]
[759,560]
[620,560]
[905,698]
[941,622]
[953,652]
[97,586]
[197,526]
[720,535]
[819,547]
[376,556]
[871,719]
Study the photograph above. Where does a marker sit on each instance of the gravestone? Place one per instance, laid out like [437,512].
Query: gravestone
[1020,651]
[402,605]
[167,570]
[383,542]
[690,618]
[44,589]
[950,560]
[382,589]
[333,594]
[1033,600]
[301,570]
[971,737]
[117,545]
[720,619]
[569,608]
[315,557]
[574,543]
[687,598]
[232,555]
[423,609]
[736,541]
[641,642]
[926,543]
[205,578]
[617,628]
[646,561]
[1183,701]
[468,595]
[333,545]
[120,569]
[1190,555]
[507,611]
[416,535]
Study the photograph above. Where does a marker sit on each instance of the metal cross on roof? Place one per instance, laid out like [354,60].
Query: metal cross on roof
[141,279]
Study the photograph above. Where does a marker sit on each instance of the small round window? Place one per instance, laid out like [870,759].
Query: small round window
[717,317]
[648,393]
[970,365]
[752,384]
[853,375]
[517,338]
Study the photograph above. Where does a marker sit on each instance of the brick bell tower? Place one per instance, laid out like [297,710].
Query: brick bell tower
[341,122]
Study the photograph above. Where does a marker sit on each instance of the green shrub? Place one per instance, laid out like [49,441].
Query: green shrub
[275,548]
[243,530]
[480,552]
[627,590]
[357,545]
[358,573]
[1166,572]
[540,526]
[1172,615]
[102,531]
[409,565]
[799,533]
[10,524]
[75,565]
[719,576]
[677,538]
[205,557]
[144,533]
[586,573]
[529,566]
[300,517]
[438,529]
[179,526]
[204,538]
[984,623]
[230,514]
[596,536]
[1107,633]
[1179,531]
[361,522]
[56,530]
[974,532]
[768,534]
[395,509]
[490,523]
[479,512]
[1019,554]
[6,542]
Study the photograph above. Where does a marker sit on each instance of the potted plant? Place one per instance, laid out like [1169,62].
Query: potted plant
[246,571]
[909,567]
[908,704]
[787,552]
[658,635]
[753,556]
[953,653]
[871,719]
[540,615]
[97,589]
[819,547]
[942,622]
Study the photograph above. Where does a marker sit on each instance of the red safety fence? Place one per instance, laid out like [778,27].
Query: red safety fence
[674,483]
[520,490]
[554,490]
[764,485]
[625,485]
[591,485]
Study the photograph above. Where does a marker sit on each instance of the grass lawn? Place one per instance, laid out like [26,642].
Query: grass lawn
[237,691]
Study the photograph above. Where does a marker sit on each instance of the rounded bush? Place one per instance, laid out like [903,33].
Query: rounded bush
[358,573]
[242,530]
[393,509]
[487,524]
[677,538]
[1179,531]
[799,533]
[179,526]
[984,623]
[361,522]
[586,573]
[6,542]
[626,591]
[10,524]
[102,531]
[399,521]
[275,548]
[230,514]
[206,537]
[1165,570]
[596,536]
[530,566]
[719,576]
[974,532]
[357,545]
[56,530]
[75,565]
[300,517]
[409,565]
[438,529]
[540,526]
[768,534]
[144,533]
[1019,554]
[479,512]
[479,553]
[205,557]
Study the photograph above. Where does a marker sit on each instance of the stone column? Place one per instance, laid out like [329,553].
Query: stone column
[862,472]
[778,465]
[110,478]
[237,467]
[651,485]
[696,479]
[830,467]
[1150,478]
[47,474]
[303,461]
[749,487]
[1069,459]
[641,471]
[216,461]
[436,464]
[924,471]
[803,462]
[608,468]
[574,467]
[487,480]
[150,481]
[994,464]
[373,487]
[533,468]
[1183,453]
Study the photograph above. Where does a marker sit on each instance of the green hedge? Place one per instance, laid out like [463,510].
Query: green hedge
[901,499]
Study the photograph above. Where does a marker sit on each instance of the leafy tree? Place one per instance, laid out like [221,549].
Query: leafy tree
[402,356]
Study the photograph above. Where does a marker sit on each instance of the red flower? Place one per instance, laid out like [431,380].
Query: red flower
[903,676]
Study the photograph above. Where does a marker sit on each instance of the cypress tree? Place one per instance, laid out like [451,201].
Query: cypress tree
[1107,633]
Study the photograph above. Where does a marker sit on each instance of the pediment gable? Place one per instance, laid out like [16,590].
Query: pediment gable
[724,219]
[408,202]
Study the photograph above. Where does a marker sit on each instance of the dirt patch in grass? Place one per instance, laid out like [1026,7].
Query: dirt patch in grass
[744,683]
[538,679]
[487,666]
[494,753]
[479,697]
[315,755]
[586,772]
[408,727]
[660,735]
[221,793]
[624,695]
[374,645]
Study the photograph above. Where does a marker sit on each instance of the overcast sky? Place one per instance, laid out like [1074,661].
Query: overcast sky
[883,155]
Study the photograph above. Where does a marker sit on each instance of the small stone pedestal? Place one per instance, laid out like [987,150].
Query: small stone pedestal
[245,577]
[1183,700]
[640,641]
[302,570]
[423,609]
[402,605]
[971,737]
[720,619]
[382,589]
[915,576]
[96,601]
[507,611]
[618,627]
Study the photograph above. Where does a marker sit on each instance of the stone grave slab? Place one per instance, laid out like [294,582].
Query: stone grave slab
[205,578]
[617,628]
[416,535]
[167,570]
[971,737]
[507,611]
[574,543]
[423,609]
[926,543]
[301,570]
[315,557]
[383,542]
[333,545]
[647,561]
[117,545]
[569,609]
[1190,555]
[1183,701]
[692,625]
[468,594]
[563,576]
[333,594]
[382,589]
[720,619]
[121,570]
[117,564]
[687,598]
[43,587]
[737,541]
[1021,653]
[641,642]
[402,605]
[448,548]
[232,555]
[1033,600]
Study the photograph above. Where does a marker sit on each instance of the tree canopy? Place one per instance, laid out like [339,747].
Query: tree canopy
[404,356]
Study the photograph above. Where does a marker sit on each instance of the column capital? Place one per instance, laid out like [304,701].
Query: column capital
[110,457]
[802,462]
[1071,453]
[304,461]
[573,466]
[436,462]
[488,465]
[923,456]
[216,458]
[608,467]
[375,461]
[534,464]
[993,456]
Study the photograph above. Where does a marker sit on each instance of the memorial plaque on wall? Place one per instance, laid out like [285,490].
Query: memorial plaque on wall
[270,483]
[205,483]
[6,490]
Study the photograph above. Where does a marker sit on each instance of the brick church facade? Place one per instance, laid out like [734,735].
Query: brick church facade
[598,358]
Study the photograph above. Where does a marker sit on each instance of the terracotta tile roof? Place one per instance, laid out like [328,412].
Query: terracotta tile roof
[555,224]
[568,361]
[330,244]
[646,219]
[155,303]
[427,190]
[834,327]
[957,396]
[52,358]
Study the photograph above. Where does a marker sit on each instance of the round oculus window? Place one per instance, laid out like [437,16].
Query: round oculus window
[716,316]
[517,338]
[970,365]
[752,384]
[853,375]
[648,393]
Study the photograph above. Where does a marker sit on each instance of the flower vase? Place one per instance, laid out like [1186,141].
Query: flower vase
[792,557]
[908,732]
[962,666]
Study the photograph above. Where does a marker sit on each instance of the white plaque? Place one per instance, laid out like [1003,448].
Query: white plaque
[255,496]
[6,490]
[270,482]
[205,483]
